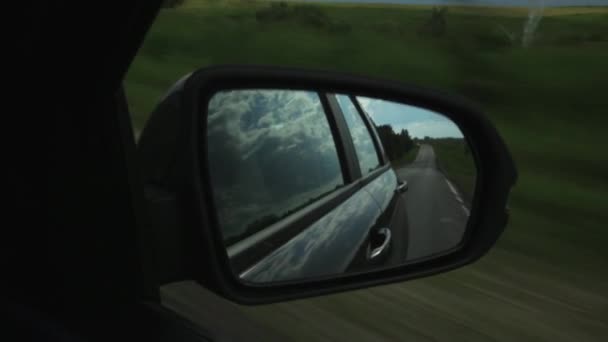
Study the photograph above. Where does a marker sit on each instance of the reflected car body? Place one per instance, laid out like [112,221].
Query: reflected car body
[337,241]
[339,232]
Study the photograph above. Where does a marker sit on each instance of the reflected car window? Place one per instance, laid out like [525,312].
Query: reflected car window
[364,145]
[270,153]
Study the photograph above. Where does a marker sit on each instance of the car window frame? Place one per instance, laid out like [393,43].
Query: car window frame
[353,161]
[371,126]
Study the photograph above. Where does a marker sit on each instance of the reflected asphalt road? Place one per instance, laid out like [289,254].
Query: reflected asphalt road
[437,215]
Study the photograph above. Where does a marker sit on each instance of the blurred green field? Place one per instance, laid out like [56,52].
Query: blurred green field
[547,278]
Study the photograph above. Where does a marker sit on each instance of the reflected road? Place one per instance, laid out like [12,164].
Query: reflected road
[437,215]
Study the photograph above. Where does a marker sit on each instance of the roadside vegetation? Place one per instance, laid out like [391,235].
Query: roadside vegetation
[399,147]
[547,278]
[406,158]
[456,162]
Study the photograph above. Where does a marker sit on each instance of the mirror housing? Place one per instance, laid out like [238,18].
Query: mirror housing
[181,206]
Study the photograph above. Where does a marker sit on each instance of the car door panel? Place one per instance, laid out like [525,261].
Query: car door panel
[382,188]
[327,247]
[393,214]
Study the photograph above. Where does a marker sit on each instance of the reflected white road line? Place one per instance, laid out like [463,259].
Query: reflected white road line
[458,198]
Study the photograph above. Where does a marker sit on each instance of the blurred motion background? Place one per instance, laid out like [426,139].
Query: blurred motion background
[540,74]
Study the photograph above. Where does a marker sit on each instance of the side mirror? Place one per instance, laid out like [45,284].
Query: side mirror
[267,184]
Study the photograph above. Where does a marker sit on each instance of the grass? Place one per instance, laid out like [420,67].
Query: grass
[458,166]
[546,279]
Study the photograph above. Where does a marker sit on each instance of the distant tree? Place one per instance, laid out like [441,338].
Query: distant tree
[406,140]
[395,145]
[386,134]
[436,25]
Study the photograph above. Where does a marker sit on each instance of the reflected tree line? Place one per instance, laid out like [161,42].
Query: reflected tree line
[396,145]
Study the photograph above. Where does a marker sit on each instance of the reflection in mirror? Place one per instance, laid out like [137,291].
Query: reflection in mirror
[429,153]
[308,184]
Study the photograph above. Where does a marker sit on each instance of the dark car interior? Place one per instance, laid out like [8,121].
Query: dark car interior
[71,260]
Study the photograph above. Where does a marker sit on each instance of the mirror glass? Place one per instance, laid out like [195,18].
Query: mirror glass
[308,184]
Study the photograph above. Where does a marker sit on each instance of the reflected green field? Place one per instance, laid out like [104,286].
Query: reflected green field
[457,164]
[546,279]
[408,158]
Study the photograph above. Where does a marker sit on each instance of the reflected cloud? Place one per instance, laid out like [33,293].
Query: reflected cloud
[269,152]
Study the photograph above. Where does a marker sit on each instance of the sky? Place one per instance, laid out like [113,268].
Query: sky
[417,121]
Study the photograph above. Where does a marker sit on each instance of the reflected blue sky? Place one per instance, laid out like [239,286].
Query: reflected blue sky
[417,121]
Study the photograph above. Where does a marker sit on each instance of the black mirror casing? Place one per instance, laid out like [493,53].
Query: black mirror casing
[172,158]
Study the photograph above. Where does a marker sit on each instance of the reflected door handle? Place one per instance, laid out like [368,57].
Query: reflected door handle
[402,187]
[379,243]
